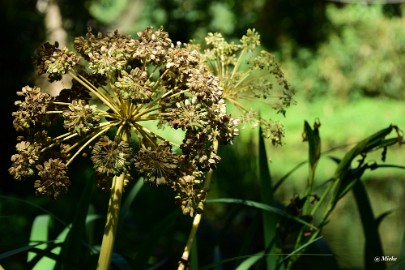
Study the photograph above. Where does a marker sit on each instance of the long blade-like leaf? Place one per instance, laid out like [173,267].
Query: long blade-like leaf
[23,249]
[314,153]
[39,231]
[303,247]
[145,250]
[282,179]
[249,262]
[373,245]
[72,247]
[267,197]
[264,207]
[345,176]
[126,205]
[401,264]
[371,143]
[35,206]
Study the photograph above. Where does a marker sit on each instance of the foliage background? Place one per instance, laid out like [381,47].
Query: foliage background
[345,62]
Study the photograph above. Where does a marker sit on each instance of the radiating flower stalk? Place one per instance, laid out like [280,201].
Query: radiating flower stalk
[120,86]
[249,77]
[246,75]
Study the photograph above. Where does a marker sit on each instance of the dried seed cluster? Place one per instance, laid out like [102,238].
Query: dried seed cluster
[248,74]
[120,84]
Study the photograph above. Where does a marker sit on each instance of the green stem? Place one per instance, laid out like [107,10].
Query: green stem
[113,212]
[196,221]
[110,229]
[89,140]
[240,58]
[83,81]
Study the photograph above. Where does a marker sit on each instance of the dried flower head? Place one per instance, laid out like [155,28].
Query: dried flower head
[80,117]
[122,85]
[111,157]
[159,165]
[247,73]
[32,110]
[53,61]
[54,180]
[190,196]
[25,159]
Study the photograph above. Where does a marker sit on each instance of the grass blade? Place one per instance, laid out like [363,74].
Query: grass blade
[282,179]
[314,153]
[298,250]
[119,262]
[401,264]
[267,197]
[252,260]
[23,249]
[264,207]
[249,236]
[35,206]
[376,141]
[145,250]
[39,232]
[72,248]
[126,205]
[373,245]
[234,259]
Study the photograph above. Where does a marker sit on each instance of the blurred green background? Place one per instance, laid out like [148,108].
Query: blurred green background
[346,63]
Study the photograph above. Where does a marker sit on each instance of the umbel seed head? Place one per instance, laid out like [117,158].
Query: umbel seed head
[120,86]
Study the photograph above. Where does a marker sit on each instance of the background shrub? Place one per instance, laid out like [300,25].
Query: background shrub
[363,56]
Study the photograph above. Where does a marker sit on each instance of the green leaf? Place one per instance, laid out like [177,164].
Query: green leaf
[314,142]
[145,250]
[380,218]
[262,206]
[249,236]
[120,262]
[371,143]
[54,217]
[314,153]
[90,225]
[72,249]
[39,232]
[238,258]
[282,179]
[345,177]
[319,256]
[126,205]
[298,250]
[252,260]
[23,249]
[401,259]
[267,197]
[373,245]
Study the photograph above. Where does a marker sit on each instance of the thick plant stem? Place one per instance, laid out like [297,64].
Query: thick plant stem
[113,213]
[196,222]
[110,229]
